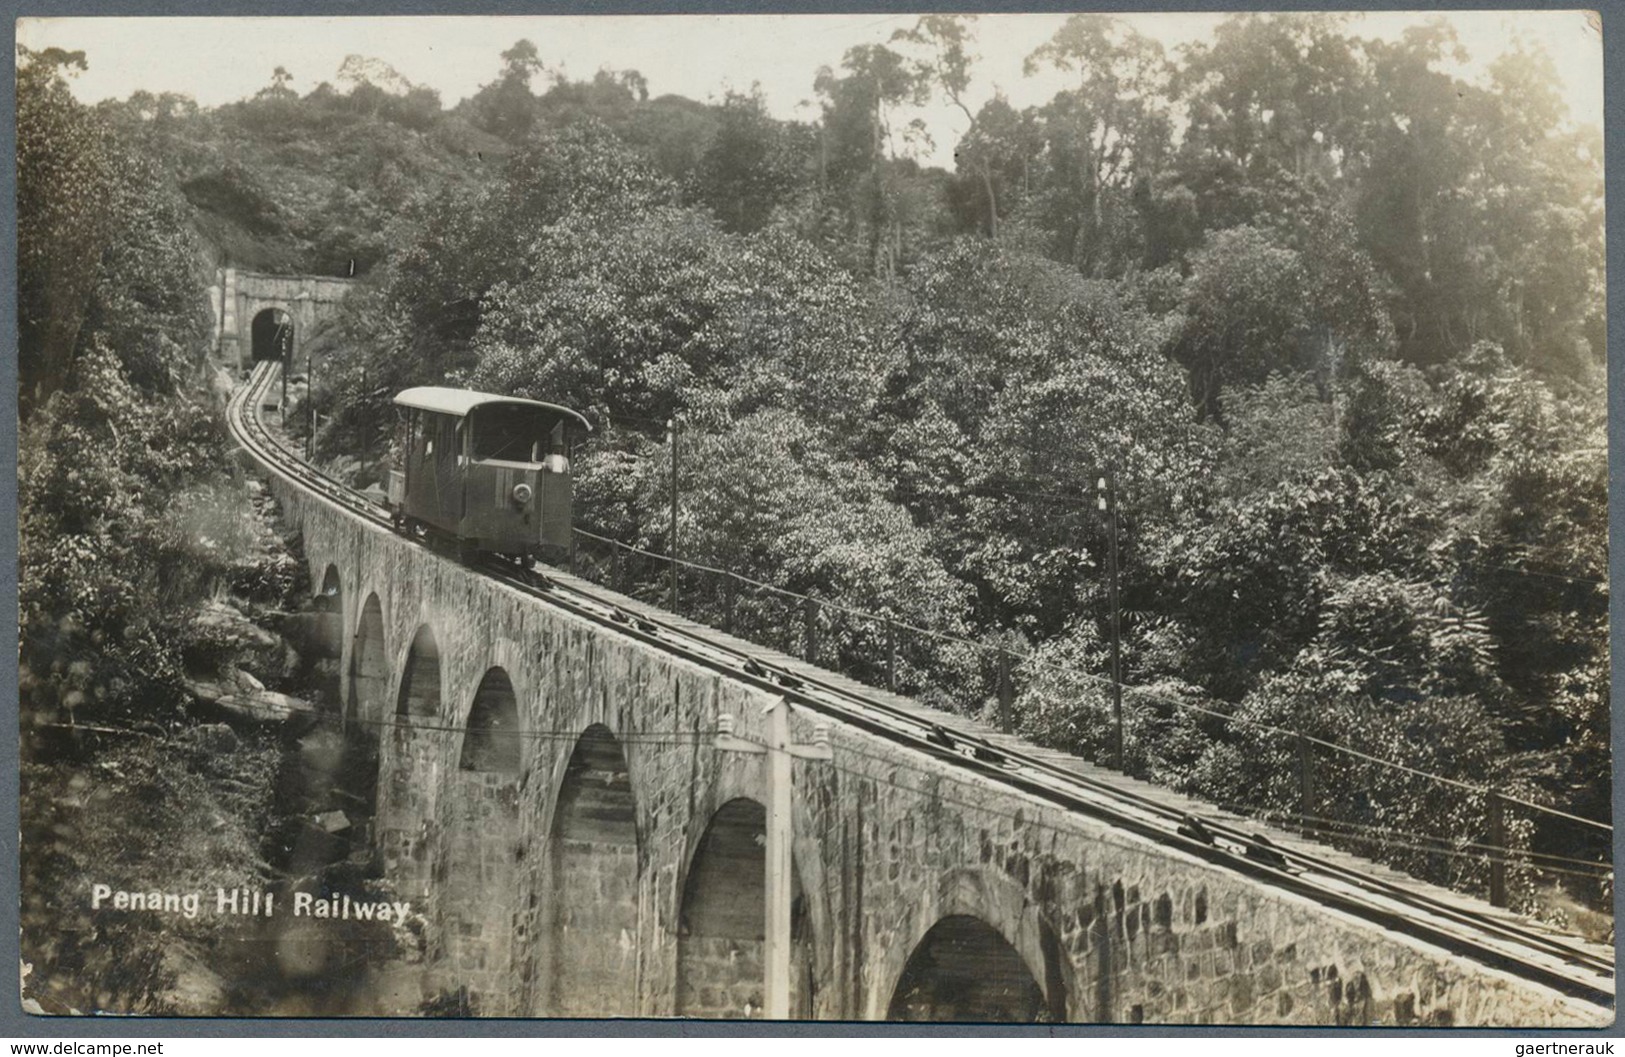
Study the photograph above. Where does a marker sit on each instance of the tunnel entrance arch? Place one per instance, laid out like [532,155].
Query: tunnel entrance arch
[963,969]
[722,925]
[592,882]
[271,335]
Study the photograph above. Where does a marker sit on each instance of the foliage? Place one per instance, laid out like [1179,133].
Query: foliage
[1101,132]
[202,811]
[661,312]
[1018,385]
[1334,335]
[64,184]
[1259,302]
[506,107]
[751,164]
[108,574]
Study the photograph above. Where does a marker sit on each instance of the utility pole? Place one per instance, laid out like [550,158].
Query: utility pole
[285,356]
[1106,487]
[891,655]
[366,422]
[1306,782]
[1498,850]
[220,328]
[809,621]
[780,752]
[310,398]
[671,433]
[1007,693]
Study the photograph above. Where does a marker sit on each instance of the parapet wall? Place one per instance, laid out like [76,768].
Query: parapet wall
[1112,927]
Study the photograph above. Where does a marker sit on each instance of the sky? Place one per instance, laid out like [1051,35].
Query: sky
[220,60]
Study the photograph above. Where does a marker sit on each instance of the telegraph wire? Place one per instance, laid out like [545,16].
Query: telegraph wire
[1032,660]
[1327,828]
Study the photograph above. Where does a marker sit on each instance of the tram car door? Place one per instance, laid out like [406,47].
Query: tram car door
[434,486]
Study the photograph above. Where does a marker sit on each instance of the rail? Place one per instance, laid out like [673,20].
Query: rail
[1493,939]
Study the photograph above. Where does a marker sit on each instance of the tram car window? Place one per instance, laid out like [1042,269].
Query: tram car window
[490,472]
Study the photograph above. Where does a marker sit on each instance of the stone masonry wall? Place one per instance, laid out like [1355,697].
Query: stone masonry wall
[594,952]
[1113,927]
[476,887]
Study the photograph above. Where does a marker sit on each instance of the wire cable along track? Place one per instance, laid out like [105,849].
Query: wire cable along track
[1495,939]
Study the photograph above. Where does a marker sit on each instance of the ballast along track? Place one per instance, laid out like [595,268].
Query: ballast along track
[1492,940]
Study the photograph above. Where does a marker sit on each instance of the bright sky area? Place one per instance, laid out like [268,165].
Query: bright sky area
[219,60]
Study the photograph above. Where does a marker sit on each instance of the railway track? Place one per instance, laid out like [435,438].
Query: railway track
[1490,938]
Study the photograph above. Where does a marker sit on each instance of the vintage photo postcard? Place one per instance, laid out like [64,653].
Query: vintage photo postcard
[1077,519]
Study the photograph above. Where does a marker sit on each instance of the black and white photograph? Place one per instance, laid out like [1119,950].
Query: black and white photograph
[1066,518]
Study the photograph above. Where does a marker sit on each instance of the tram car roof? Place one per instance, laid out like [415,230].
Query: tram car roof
[459,402]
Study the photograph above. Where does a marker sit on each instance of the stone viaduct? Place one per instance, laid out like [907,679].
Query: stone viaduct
[258,316]
[549,798]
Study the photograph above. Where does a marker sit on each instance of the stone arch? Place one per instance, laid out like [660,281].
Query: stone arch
[811,914]
[1001,905]
[722,921]
[492,740]
[413,754]
[324,644]
[479,871]
[420,676]
[592,908]
[369,669]
[963,969]
[366,713]
[332,589]
[271,335]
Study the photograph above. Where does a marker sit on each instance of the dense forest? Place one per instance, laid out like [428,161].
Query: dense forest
[1326,313]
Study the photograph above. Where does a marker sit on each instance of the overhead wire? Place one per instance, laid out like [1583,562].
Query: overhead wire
[1031,660]
[693,738]
[894,764]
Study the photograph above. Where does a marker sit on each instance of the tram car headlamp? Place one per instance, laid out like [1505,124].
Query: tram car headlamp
[522,493]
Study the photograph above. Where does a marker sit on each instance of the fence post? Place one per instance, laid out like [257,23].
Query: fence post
[1306,781]
[809,618]
[615,578]
[728,592]
[891,655]
[1007,692]
[1498,844]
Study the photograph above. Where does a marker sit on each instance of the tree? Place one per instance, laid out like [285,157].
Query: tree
[1017,382]
[506,107]
[947,64]
[751,165]
[1112,125]
[454,248]
[1284,91]
[64,183]
[858,140]
[1483,205]
[657,311]
[996,159]
[1288,298]
[521,62]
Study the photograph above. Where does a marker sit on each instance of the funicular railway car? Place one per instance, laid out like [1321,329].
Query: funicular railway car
[490,473]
